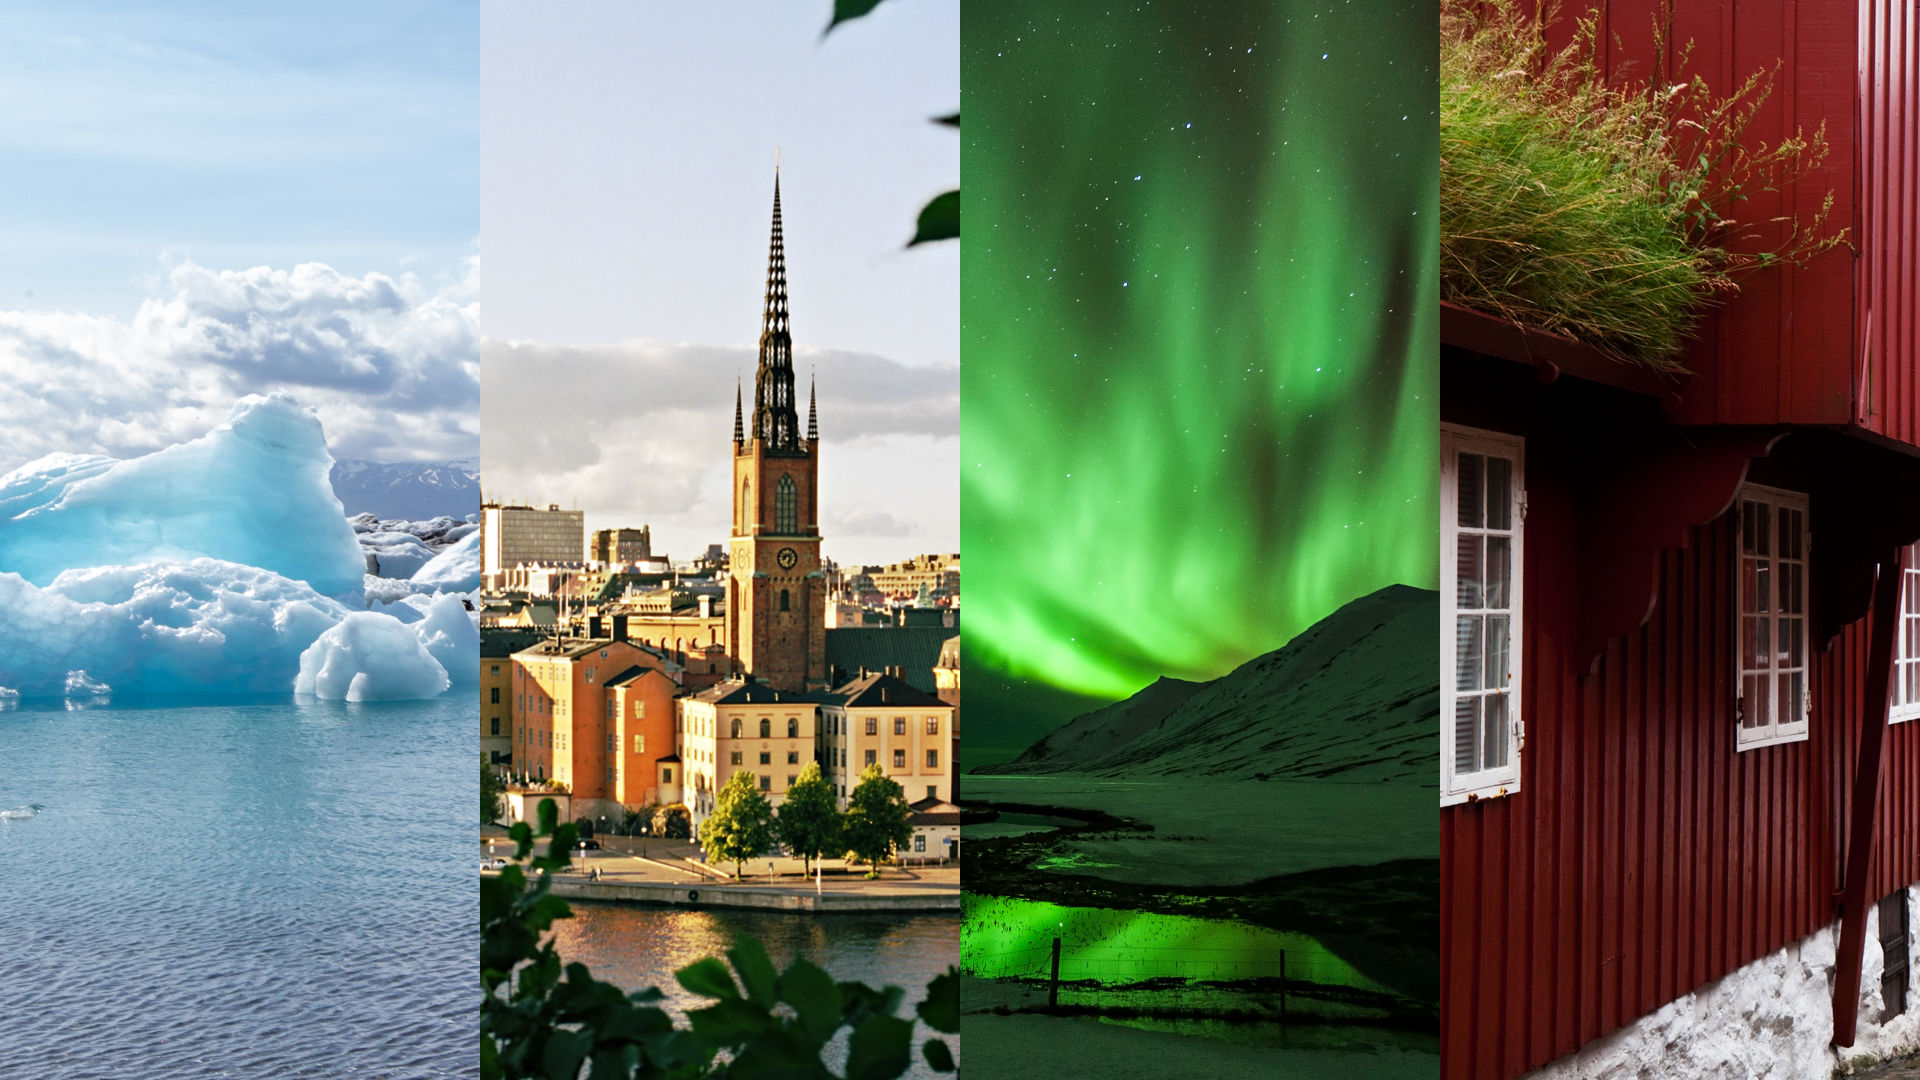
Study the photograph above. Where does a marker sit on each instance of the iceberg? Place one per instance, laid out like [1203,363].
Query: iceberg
[368,656]
[191,627]
[455,569]
[79,685]
[253,491]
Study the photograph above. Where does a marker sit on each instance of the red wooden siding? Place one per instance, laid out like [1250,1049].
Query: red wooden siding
[1644,856]
[1889,162]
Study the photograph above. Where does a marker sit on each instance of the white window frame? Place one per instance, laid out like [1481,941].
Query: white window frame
[1777,732]
[1505,780]
[1901,705]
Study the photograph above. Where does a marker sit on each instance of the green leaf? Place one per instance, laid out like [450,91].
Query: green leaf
[939,219]
[564,1052]
[881,1049]
[814,998]
[939,1058]
[846,10]
[941,1010]
[951,119]
[757,974]
[548,815]
[731,1022]
[708,978]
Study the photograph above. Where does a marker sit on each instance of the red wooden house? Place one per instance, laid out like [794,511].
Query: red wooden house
[1671,607]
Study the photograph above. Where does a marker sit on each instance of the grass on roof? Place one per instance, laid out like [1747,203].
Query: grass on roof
[1602,209]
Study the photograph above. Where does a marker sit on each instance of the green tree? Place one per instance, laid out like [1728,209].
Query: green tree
[809,822]
[741,825]
[539,1019]
[876,819]
[491,806]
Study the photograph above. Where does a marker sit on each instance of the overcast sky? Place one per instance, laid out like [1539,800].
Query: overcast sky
[626,185]
[220,199]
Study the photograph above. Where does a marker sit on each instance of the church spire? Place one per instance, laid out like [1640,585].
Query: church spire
[774,421]
[813,414]
[739,424]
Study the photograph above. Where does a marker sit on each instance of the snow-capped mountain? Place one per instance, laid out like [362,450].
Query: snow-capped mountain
[1354,698]
[409,490]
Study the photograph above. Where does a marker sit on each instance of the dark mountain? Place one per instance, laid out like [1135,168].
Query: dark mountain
[409,491]
[1354,698]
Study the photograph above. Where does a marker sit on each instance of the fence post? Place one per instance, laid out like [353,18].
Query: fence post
[1283,986]
[1053,984]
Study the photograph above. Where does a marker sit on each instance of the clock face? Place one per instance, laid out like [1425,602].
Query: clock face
[787,558]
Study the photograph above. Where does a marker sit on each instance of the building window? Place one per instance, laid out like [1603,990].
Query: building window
[793,757]
[766,758]
[899,759]
[666,775]
[786,510]
[784,601]
[1482,506]
[610,774]
[932,791]
[493,669]
[589,674]
[766,783]
[899,725]
[494,697]
[933,759]
[920,842]
[736,758]
[873,725]
[790,779]
[736,727]
[871,758]
[1905,700]
[639,710]
[496,725]
[640,744]
[613,744]
[1773,617]
[933,725]
[793,727]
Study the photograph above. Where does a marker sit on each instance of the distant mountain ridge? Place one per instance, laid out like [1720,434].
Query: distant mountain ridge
[1354,698]
[409,490]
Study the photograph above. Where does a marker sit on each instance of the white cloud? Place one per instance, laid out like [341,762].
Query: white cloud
[641,432]
[391,364]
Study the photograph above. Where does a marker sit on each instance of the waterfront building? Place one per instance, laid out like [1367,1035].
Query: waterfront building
[744,725]
[562,730]
[497,646]
[881,719]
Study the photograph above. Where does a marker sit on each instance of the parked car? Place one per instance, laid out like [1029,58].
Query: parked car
[493,864]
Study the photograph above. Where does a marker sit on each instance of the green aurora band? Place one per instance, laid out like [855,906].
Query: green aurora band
[1200,329]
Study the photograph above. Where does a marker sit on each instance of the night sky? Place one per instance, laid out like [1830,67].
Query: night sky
[1199,319]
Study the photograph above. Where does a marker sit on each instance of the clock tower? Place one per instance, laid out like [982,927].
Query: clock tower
[776,590]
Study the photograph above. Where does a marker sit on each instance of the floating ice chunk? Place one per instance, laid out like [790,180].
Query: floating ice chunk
[199,626]
[252,491]
[78,685]
[456,569]
[462,531]
[451,635]
[9,699]
[369,656]
[396,554]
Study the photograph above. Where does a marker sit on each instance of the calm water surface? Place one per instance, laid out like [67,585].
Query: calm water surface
[271,889]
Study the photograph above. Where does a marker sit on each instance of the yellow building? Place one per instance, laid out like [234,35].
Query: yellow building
[881,719]
[743,725]
[497,647]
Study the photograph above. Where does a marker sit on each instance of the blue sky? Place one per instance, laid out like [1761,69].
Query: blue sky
[626,181]
[152,155]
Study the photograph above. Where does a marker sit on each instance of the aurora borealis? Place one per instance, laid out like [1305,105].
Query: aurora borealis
[1200,335]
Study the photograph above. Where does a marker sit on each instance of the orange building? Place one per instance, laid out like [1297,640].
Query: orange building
[570,726]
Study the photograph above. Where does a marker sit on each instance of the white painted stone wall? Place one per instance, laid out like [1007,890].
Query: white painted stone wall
[1770,1020]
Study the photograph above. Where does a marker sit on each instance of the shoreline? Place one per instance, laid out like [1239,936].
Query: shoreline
[760,898]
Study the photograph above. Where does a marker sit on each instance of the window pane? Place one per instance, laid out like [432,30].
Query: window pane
[1496,669]
[1749,527]
[1750,701]
[1466,731]
[1790,529]
[1790,642]
[1471,468]
[1470,572]
[1749,643]
[1494,739]
[1792,704]
[1467,661]
[1499,493]
[1749,586]
[1763,641]
[1762,528]
[1763,586]
[1499,558]
[1762,701]
[1791,577]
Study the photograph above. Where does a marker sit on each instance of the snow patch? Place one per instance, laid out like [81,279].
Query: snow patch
[1769,1020]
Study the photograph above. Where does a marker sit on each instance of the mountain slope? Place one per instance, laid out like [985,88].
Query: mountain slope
[1354,698]
[408,490]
